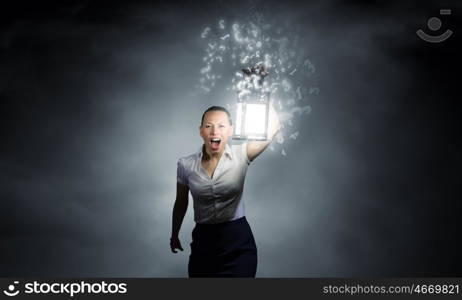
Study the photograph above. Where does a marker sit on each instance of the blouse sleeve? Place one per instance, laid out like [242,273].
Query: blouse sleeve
[181,173]
[244,153]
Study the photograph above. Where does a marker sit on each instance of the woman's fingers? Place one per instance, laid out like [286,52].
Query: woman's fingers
[175,244]
[178,246]
[273,123]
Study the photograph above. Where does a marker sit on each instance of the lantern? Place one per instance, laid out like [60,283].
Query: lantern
[252,114]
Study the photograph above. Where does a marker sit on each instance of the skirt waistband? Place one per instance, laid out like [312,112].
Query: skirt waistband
[241,220]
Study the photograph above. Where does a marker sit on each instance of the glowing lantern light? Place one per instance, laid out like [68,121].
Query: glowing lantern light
[253,108]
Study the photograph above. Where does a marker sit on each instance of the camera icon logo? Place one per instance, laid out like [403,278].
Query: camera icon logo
[10,292]
[434,24]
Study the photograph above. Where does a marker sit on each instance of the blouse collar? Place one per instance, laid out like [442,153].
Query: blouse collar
[227,151]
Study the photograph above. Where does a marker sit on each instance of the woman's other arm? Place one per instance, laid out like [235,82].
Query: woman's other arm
[179,211]
[254,148]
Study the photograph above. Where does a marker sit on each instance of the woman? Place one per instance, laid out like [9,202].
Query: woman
[222,241]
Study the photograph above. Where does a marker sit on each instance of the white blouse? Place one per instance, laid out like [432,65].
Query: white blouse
[217,199]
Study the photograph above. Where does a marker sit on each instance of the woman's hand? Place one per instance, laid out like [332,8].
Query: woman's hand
[254,148]
[274,125]
[175,244]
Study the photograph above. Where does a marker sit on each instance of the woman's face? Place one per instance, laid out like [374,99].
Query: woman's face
[215,131]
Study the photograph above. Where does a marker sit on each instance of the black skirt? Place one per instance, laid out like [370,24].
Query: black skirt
[223,250]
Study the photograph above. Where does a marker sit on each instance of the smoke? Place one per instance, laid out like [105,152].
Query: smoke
[263,42]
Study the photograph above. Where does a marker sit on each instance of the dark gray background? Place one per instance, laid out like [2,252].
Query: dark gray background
[99,102]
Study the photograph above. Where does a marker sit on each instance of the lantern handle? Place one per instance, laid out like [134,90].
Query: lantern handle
[256,70]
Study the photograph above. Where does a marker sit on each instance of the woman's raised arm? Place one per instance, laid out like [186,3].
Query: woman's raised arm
[254,148]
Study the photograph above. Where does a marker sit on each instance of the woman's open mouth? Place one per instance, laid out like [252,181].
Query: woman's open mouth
[215,143]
